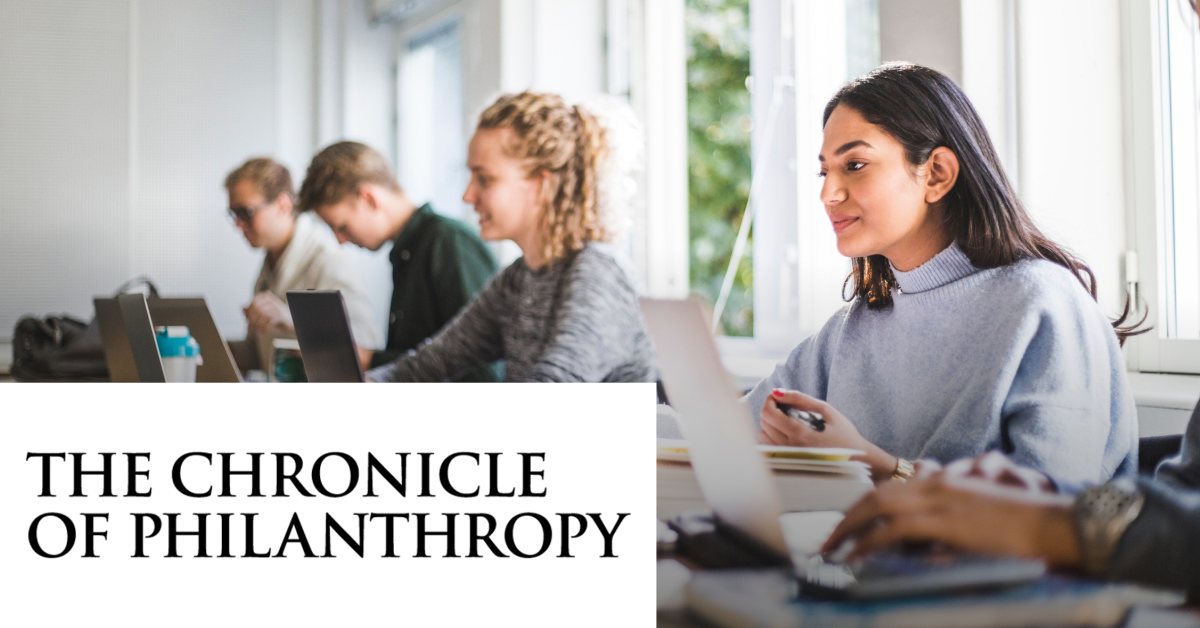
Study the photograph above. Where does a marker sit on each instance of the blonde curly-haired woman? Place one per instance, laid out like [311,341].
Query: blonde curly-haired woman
[566,311]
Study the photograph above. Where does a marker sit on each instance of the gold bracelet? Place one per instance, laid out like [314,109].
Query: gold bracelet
[904,470]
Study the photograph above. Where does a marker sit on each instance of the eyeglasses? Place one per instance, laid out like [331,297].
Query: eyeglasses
[246,214]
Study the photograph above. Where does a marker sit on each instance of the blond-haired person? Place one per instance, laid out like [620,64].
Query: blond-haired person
[438,264]
[299,256]
[566,311]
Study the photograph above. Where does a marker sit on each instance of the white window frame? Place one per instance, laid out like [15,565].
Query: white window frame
[408,157]
[774,164]
[797,286]
[658,93]
[798,60]
[1146,193]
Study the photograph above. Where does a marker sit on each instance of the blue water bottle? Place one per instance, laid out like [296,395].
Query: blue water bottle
[180,353]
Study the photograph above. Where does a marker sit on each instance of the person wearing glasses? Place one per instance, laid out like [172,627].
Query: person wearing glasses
[299,256]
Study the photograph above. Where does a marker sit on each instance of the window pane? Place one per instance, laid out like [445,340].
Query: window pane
[719,125]
[1180,225]
[432,145]
[862,36]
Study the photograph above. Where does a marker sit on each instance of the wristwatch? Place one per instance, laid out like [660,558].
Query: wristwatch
[1102,514]
[904,470]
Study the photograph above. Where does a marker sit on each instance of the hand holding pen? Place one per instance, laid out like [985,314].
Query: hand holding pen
[812,419]
[794,419]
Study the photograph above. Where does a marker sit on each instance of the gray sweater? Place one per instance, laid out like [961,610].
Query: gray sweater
[1018,358]
[576,320]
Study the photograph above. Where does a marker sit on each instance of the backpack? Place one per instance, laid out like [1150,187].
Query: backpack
[63,348]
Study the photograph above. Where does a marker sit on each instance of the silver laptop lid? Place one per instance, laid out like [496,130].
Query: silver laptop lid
[116,343]
[194,314]
[140,333]
[326,340]
[722,445]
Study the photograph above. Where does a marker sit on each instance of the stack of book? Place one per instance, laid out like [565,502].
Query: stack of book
[807,478]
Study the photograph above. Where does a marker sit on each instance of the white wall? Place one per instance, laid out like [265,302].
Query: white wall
[821,69]
[296,78]
[513,45]
[369,81]
[204,98]
[482,58]
[1053,107]
[360,86]
[1070,120]
[133,112]
[928,32]
[659,95]
[120,118]
[553,46]
[60,244]
[988,64]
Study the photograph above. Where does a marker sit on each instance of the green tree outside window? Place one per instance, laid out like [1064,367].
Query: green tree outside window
[719,126]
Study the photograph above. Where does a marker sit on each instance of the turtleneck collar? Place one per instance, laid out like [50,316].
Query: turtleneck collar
[945,267]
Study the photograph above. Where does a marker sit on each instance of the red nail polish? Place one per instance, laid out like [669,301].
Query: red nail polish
[777,392]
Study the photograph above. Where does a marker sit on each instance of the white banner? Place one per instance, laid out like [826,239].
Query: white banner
[307,505]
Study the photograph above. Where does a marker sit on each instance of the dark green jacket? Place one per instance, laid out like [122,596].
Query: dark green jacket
[438,265]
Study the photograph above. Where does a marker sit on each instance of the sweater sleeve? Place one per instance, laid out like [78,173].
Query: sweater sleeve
[472,339]
[1161,546]
[1183,470]
[1069,411]
[597,326]
[806,369]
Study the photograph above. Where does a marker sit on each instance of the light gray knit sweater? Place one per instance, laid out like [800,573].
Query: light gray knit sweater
[1018,358]
[576,320]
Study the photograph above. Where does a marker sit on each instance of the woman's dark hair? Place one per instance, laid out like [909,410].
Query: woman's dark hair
[923,110]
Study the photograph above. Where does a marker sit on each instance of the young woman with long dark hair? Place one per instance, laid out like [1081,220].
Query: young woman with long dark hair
[1144,532]
[968,330]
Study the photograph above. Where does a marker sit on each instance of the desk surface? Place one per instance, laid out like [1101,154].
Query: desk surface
[805,531]
[672,576]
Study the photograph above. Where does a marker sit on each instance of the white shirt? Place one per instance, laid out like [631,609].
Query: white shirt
[314,260]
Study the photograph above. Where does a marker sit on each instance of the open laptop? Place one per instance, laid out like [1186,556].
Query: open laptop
[193,313]
[326,340]
[133,346]
[117,354]
[736,481]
